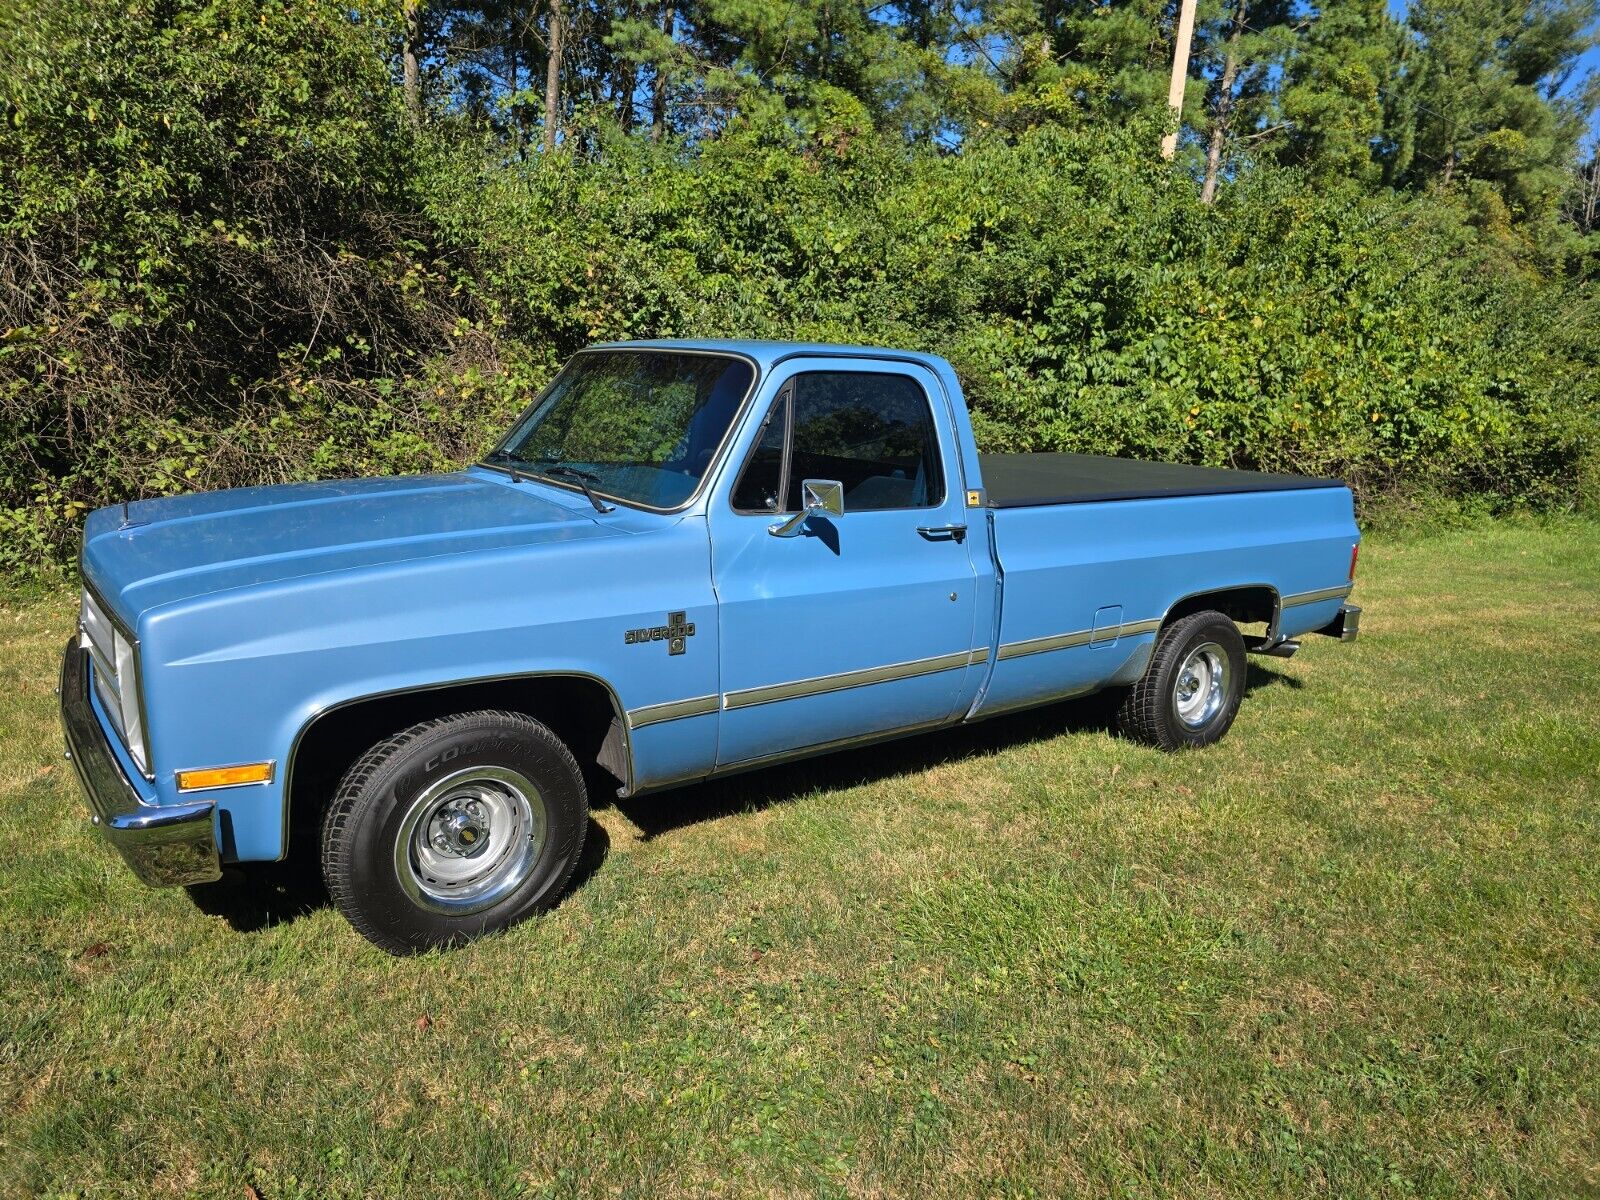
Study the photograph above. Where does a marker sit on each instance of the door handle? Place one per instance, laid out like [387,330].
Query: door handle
[955,533]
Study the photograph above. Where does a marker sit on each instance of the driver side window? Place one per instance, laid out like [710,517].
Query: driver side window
[873,432]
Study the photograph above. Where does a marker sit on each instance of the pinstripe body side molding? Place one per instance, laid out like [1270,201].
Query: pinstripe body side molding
[700,706]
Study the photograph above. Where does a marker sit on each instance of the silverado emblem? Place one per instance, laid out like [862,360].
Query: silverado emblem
[675,633]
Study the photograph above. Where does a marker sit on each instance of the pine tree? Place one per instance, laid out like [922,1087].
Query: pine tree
[1483,78]
[1240,47]
[1334,88]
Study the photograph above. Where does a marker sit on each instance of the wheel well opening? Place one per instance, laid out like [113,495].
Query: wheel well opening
[1256,605]
[578,710]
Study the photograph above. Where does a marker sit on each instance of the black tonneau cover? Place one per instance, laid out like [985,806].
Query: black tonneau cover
[1022,480]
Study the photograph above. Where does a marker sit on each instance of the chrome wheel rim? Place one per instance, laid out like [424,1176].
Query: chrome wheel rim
[469,840]
[1201,687]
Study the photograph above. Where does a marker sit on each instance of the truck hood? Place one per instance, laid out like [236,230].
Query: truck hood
[185,546]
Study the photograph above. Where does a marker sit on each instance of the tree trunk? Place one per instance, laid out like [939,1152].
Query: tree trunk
[552,80]
[516,25]
[658,101]
[412,12]
[626,83]
[1591,196]
[1224,109]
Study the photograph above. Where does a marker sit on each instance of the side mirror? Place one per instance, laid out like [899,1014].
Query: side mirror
[818,498]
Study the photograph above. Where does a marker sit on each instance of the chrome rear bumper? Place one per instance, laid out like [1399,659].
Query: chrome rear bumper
[165,845]
[1345,626]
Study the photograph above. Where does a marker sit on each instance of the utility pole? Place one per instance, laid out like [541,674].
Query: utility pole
[1180,74]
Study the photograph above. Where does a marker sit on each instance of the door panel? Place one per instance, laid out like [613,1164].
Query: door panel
[861,624]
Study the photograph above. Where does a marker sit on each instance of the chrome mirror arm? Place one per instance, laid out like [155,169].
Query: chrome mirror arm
[791,527]
[819,498]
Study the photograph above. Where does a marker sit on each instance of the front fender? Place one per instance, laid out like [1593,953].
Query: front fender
[238,676]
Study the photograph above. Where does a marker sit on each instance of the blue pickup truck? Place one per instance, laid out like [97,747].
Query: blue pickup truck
[686,559]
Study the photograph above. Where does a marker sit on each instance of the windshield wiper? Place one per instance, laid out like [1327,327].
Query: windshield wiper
[501,461]
[586,481]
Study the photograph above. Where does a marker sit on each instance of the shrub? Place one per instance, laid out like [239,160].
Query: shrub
[226,259]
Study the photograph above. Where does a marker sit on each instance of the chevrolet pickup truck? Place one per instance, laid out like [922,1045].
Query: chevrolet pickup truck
[686,559]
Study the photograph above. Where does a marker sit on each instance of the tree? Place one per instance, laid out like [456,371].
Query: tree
[1484,78]
[1072,59]
[1333,90]
[1242,48]
[1582,206]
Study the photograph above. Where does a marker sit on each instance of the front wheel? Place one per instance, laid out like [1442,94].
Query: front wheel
[1190,692]
[453,828]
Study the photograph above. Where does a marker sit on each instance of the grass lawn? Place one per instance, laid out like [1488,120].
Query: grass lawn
[1353,950]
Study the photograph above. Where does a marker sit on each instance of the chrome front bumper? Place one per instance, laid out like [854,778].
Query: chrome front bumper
[165,845]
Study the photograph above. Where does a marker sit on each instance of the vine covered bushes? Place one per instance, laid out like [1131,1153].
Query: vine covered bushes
[227,257]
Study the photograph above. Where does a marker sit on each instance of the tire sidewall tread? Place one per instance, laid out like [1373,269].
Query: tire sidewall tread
[1148,714]
[361,823]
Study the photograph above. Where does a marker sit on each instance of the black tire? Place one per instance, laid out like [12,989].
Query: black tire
[1156,713]
[455,776]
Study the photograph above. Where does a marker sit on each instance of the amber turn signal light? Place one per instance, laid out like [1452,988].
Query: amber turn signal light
[213,777]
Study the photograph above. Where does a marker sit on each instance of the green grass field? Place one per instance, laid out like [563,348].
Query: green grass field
[1353,950]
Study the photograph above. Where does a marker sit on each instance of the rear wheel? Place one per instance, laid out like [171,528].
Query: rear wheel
[453,828]
[1190,693]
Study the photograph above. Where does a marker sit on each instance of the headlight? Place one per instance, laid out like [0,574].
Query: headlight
[116,677]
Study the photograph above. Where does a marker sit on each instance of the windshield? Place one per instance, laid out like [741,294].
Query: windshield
[639,426]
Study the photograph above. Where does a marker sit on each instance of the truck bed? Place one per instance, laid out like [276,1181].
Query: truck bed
[1027,480]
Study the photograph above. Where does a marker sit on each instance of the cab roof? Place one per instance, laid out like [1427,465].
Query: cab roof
[768,354]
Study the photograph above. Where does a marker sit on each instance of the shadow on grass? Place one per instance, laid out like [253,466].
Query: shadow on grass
[271,894]
[661,813]
[264,895]
[1258,676]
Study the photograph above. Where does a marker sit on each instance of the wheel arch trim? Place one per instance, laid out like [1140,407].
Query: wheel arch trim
[1224,589]
[317,716]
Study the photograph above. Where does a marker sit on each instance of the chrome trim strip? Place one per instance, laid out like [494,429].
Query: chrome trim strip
[1333,593]
[677,710]
[673,710]
[844,680]
[1081,637]
[1043,645]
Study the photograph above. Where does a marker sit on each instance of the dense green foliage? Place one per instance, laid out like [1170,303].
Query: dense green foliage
[230,254]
